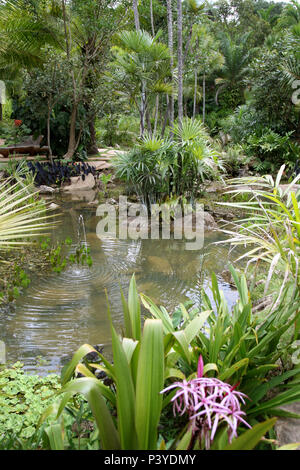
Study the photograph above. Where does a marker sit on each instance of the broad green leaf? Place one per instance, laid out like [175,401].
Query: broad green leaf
[92,390]
[193,328]
[134,309]
[125,395]
[55,436]
[249,439]
[185,441]
[149,384]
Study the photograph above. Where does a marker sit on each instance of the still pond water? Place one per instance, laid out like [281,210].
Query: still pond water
[60,312]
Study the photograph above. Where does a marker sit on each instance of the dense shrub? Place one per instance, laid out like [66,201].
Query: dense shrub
[160,168]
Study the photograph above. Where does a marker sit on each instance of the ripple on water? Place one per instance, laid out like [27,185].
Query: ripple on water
[58,313]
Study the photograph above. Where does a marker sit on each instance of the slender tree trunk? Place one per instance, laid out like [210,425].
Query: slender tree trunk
[180,62]
[142,111]
[170,44]
[156,114]
[136,15]
[149,126]
[49,131]
[152,18]
[195,93]
[204,97]
[1,110]
[164,124]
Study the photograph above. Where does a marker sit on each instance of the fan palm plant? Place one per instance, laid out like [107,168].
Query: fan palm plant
[141,69]
[24,33]
[22,216]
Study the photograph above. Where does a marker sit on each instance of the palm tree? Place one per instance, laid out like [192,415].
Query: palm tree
[141,69]
[23,34]
[180,61]
[170,44]
[236,59]
[206,60]
[290,15]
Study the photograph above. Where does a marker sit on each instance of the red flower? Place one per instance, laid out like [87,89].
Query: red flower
[18,122]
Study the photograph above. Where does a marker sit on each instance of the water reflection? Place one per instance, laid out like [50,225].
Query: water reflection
[60,312]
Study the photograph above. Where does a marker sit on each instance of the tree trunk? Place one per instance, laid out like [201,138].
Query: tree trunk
[93,147]
[156,114]
[166,119]
[149,126]
[72,137]
[136,15]
[142,111]
[1,110]
[152,18]
[195,93]
[180,62]
[204,97]
[49,132]
[170,44]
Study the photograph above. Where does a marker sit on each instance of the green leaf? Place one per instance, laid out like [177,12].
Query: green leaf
[149,384]
[185,440]
[91,389]
[55,436]
[249,439]
[125,395]
[134,309]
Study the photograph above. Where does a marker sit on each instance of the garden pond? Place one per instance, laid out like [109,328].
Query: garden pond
[59,312]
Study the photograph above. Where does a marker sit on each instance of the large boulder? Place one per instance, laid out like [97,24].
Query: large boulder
[78,184]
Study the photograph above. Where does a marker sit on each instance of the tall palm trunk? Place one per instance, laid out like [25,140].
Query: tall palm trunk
[136,14]
[195,93]
[152,18]
[204,96]
[180,62]
[170,44]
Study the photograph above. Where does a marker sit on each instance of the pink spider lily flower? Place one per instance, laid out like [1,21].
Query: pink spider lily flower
[208,402]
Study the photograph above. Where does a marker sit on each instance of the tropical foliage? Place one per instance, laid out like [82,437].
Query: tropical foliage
[159,168]
[168,350]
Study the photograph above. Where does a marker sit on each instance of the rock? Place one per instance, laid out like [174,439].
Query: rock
[88,197]
[78,184]
[53,206]
[46,189]
[294,188]
[201,218]
[227,277]
[215,187]
[209,222]
[160,265]
[112,201]
[101,165]
[262,304]
[288,429]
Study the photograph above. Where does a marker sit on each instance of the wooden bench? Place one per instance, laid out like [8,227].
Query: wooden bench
[30,147]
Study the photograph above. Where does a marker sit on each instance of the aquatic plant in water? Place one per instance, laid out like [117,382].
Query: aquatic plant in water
[209,403]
